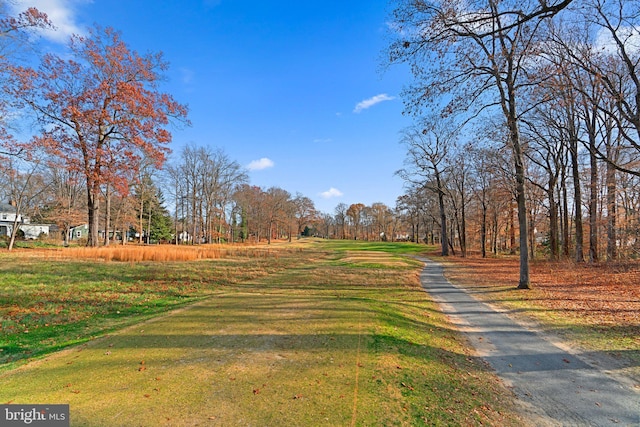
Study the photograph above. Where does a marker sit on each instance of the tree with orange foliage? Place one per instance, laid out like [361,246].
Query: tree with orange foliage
[355,213]
[101,111]
[15,33]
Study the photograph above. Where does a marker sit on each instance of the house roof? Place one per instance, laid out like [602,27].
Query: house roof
[5,207]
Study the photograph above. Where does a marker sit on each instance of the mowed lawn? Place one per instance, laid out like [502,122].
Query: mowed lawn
[314,334]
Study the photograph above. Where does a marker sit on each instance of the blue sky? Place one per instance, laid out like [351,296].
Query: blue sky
[295,91]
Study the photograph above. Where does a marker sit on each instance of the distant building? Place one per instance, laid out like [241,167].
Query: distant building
[79,232]
[8,216]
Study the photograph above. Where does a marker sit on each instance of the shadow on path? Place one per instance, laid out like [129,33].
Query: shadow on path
[563,388]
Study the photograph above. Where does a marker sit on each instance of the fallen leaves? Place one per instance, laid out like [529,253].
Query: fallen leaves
[407,386]
[257,390]
[600,294]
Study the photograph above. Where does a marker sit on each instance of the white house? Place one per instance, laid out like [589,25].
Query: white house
[8,217]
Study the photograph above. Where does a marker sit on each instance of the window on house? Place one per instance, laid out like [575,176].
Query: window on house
[4,216]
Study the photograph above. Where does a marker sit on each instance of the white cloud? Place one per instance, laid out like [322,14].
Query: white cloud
[322,140]
[630,36]
[368,103]
[261,164]
[187,75]
[331,193]
[61,13]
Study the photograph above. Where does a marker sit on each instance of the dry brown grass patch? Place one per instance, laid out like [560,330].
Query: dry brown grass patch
[163,253]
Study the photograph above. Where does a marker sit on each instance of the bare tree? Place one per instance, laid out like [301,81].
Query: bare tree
[427,150]
[341,219]
[474,53]
[277,209]
[305,212]
[64,202]
[408,206]
[23,185]
[202,183]
[547,150]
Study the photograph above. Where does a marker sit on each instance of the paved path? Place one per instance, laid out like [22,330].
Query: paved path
[555,386]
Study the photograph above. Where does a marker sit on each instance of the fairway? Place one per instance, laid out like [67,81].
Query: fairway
[343,338]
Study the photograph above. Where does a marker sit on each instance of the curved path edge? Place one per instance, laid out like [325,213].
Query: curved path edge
[555,386]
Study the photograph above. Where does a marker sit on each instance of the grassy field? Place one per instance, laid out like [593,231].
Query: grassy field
[53,298]
[311,333]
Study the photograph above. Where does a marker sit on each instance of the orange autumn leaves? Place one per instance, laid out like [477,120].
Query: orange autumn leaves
[603,294]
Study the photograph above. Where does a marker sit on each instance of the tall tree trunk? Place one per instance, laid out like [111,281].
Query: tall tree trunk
[141,219]
[512,231]
[565,220]
[483,230]
[553,222]
[443,217]
[14,231]
[66,229]
[463,227]
[124,229]
[507,87]
[612,252]
[495,227]
[531,235]
[593,198]
[451,241]
[175,220]
[93,208]
[577,199]
[149,227]
[107,215]
[524,281]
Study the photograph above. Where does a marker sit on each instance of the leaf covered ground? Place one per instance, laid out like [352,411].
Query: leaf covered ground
[597,306]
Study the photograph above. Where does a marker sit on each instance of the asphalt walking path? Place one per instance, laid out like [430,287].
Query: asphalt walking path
[555,386]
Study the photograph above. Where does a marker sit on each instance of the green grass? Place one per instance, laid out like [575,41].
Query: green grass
[298,340]
[402,248]
[49,304]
